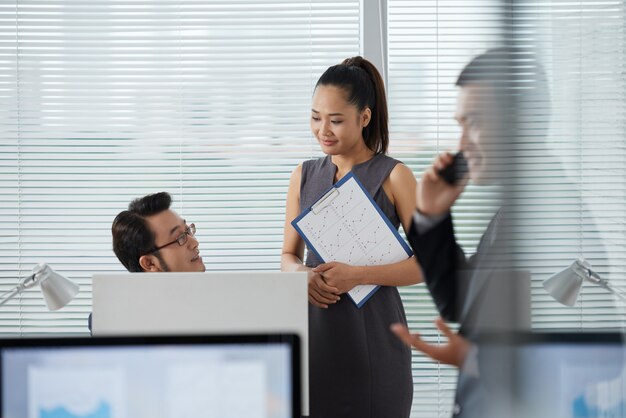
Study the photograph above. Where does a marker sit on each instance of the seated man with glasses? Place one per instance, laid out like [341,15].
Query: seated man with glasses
[150,237]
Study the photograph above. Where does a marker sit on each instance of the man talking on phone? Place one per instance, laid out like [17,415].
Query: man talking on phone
[486,112]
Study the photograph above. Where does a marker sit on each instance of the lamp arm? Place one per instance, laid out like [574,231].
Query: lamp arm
[594,278]
[619,292]
[26,283]
[5,297]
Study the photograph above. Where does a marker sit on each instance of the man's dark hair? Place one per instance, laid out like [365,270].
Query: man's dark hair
[493,67]
[131,236]
[518,84]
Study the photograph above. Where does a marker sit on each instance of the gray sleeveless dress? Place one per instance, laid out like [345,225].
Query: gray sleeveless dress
[358,368]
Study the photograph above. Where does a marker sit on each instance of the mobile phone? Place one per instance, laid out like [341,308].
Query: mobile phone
[456,171]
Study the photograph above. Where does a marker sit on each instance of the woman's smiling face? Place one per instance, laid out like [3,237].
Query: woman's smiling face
[336,124]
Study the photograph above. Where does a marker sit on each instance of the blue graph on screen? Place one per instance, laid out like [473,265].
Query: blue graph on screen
[103,411]
[582,409]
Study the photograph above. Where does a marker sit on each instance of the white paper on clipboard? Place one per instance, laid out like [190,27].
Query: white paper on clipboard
[347,226]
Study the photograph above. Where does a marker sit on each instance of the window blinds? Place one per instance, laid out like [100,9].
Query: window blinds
[569,197]
[105,101]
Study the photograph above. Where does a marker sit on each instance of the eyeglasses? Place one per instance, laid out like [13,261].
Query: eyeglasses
[181,239]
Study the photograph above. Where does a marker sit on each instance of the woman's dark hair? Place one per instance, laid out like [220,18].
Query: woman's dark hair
[364,87]
[131,236]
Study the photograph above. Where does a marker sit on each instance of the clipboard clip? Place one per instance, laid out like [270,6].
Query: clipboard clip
[324,201]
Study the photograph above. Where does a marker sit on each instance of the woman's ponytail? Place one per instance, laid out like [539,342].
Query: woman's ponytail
[364,87]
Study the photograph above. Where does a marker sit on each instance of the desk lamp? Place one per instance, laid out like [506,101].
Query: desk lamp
[57,290]
[565,285]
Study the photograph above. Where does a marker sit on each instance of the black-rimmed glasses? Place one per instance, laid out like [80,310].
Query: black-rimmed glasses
[181,239]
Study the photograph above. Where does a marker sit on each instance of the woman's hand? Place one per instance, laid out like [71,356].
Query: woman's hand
[320,293]
[340,276]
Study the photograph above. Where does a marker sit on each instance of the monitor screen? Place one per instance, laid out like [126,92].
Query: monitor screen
[244,302]
[572,379]
[169,377]
[547,375]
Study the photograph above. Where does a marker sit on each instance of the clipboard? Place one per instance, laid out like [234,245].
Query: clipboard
[346,225]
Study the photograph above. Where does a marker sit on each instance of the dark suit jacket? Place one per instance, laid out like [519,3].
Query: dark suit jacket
[482,293]
[474,292]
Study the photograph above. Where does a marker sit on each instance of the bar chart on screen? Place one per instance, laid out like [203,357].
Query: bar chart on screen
[71,393]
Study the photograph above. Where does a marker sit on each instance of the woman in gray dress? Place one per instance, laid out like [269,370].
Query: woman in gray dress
[357,367]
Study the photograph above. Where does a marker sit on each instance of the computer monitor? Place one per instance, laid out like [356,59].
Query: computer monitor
[153,377]
[551,374]
[236,302]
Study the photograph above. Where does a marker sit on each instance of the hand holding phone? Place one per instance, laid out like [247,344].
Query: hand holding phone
[435,197]
[456,171]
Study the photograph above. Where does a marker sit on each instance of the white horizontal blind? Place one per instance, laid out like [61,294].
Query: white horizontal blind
[572,189]
[569,196]
[429,43]
[105,101]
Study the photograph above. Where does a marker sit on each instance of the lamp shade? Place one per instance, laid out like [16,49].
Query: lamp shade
[57,290]
[565,285]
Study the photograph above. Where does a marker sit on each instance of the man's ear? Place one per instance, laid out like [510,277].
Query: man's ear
[150,263]
[366,116]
